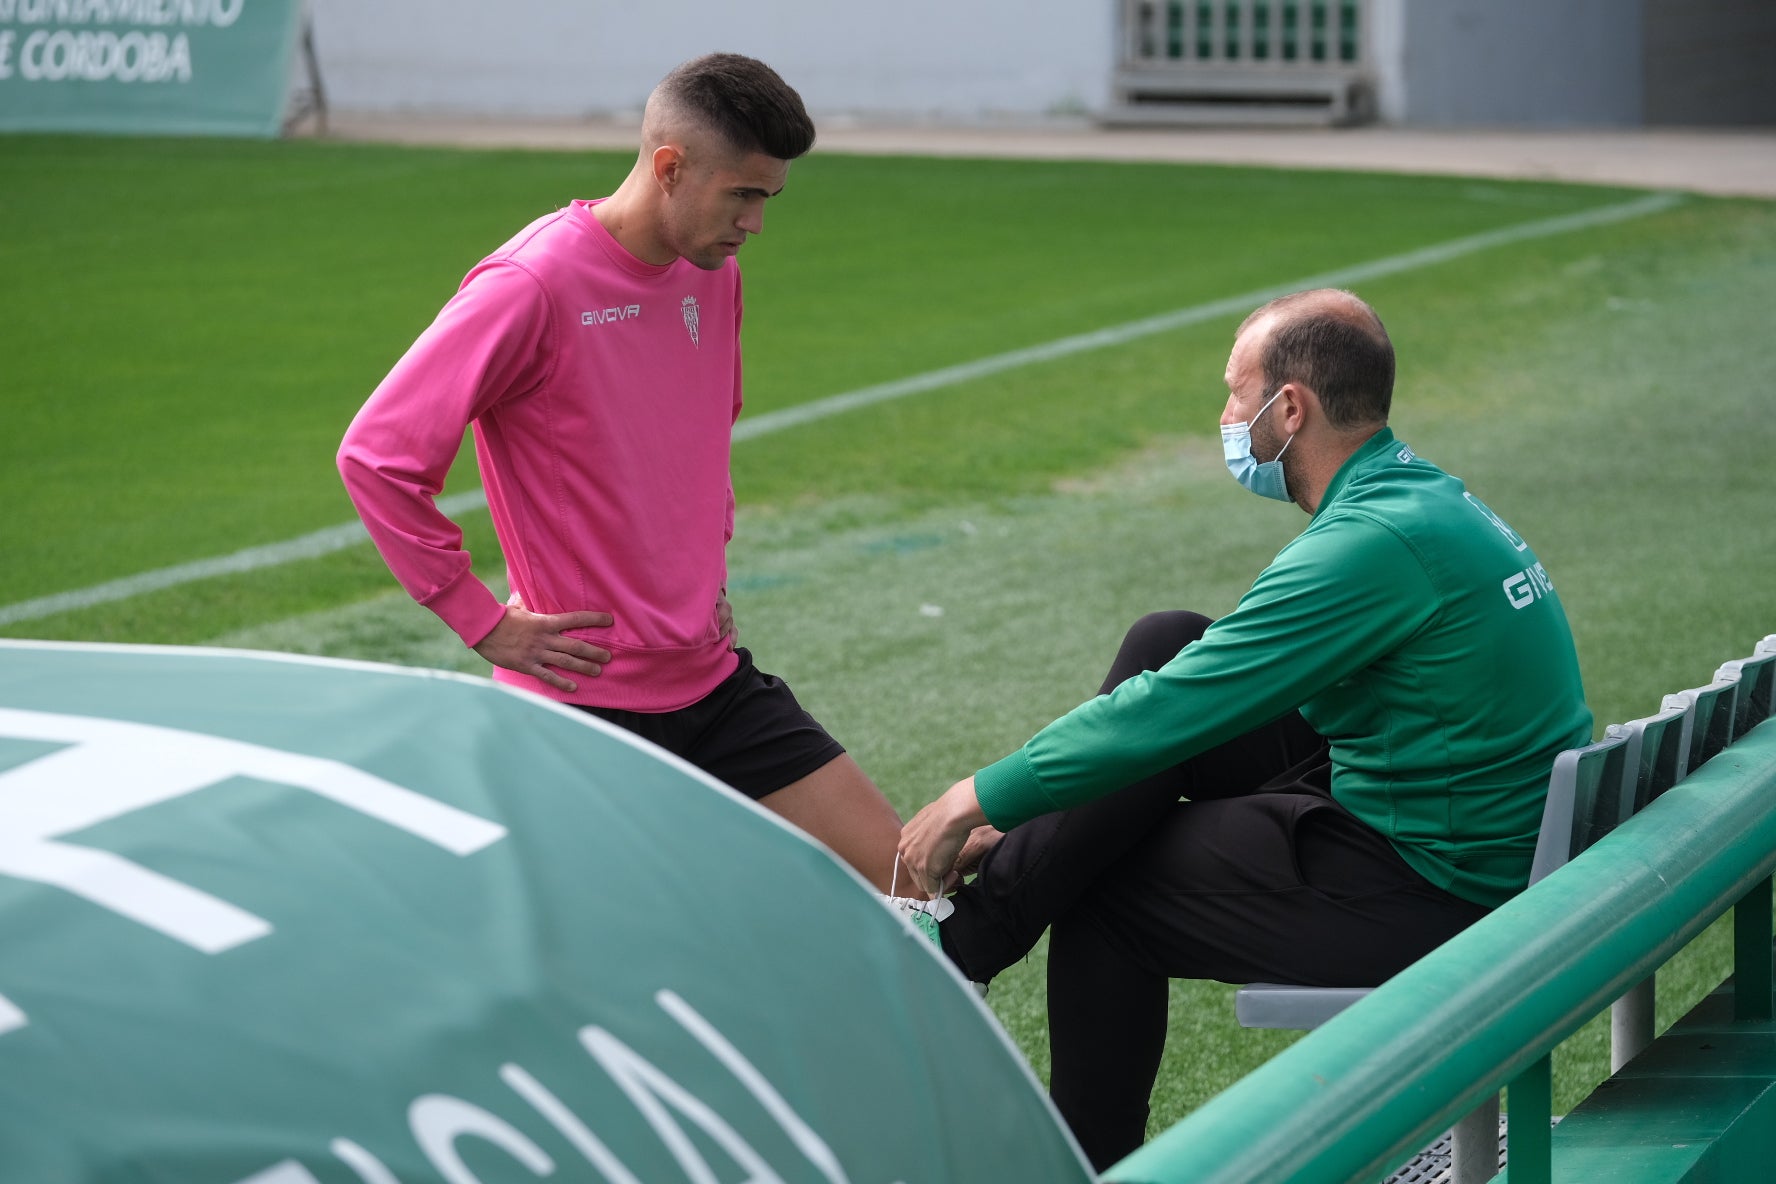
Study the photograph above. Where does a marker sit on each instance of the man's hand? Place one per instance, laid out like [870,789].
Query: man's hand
[981,840]
[724,621]
[932,841]
[536,644]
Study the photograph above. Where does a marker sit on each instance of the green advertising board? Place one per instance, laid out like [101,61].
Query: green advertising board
[187,67]
[273,920]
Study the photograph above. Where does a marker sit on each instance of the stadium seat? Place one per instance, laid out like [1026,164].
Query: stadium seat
[1715,708]
[1756,677]
[1591,790]
[1656,758]
[1658,751]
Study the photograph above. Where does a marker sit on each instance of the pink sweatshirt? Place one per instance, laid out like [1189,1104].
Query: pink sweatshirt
[603,392]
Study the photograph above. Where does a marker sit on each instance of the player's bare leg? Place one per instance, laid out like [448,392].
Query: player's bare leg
[839,805]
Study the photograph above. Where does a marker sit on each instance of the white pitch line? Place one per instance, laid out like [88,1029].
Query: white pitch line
[350,534]
[308,546]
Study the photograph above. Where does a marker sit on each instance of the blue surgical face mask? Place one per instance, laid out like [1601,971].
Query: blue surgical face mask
[1266,479]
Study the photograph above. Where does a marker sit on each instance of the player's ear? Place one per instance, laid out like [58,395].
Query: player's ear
[668,165]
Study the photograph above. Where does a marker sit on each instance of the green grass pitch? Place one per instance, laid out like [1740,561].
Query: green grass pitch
[187,326]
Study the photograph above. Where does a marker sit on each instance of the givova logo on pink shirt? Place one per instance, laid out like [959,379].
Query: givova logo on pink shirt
[604,316]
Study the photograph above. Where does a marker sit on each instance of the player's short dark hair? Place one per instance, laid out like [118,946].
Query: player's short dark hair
[743,101]
[1338,348]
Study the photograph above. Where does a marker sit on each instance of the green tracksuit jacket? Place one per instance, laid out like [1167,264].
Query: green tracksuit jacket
[1413,629]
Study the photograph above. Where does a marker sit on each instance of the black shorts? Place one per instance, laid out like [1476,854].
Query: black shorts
[749,732]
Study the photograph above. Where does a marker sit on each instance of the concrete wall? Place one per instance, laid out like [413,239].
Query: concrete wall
[1575,63]
[959,60]
[1710,62]
[1386,47]
[1548,63]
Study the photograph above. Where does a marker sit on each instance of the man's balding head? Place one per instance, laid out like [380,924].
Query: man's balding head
[736,103]
[1332,342]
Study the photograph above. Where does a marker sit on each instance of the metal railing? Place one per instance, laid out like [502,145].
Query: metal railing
[1359,1095]
[1282,34]
[1242,60]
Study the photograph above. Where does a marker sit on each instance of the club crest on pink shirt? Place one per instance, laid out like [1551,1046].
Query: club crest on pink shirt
[689,307]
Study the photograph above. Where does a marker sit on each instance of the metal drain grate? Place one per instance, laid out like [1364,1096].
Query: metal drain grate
[1434,1164]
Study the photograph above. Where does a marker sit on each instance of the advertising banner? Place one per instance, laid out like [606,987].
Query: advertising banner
[277,920]
[183,67]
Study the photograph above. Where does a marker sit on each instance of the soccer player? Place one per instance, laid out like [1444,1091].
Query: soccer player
[596,356]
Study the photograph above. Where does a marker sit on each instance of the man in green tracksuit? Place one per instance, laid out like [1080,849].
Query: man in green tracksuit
[1317,788]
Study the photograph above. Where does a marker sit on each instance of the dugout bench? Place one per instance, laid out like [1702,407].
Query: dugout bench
[1591,791]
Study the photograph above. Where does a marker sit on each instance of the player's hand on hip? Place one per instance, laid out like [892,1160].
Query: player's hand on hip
[724,621]
[537,644]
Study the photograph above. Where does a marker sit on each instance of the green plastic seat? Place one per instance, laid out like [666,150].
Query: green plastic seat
[1756,677]
[1716,712]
